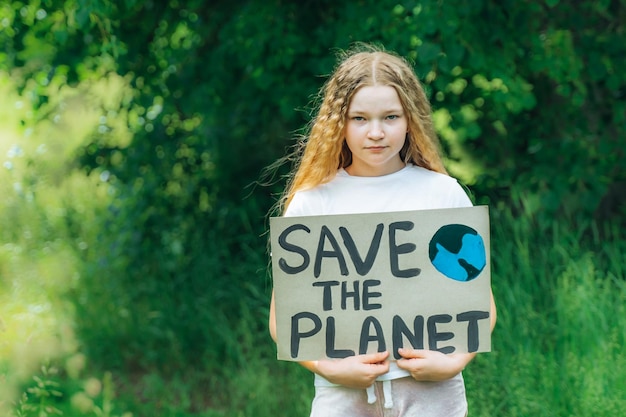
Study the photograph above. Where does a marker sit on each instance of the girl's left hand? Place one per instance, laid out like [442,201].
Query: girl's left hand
[430,365]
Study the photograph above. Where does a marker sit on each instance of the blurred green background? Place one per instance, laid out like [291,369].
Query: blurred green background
[133,213]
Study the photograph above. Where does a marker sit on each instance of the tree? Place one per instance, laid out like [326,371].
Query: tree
[528,101]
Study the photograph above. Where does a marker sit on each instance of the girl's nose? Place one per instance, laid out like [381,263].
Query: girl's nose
[376,132]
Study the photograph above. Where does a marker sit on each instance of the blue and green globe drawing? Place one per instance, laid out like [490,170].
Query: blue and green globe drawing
[458,252]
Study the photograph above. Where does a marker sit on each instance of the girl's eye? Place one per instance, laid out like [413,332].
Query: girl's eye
[358,118]
[392,116]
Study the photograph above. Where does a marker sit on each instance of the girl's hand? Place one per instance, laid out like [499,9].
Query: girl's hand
[430,365]
[355,371]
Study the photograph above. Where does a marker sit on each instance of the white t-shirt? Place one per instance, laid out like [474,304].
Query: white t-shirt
[411,188]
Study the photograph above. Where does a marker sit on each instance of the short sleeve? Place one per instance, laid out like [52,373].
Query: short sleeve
[459,197]
[305,203]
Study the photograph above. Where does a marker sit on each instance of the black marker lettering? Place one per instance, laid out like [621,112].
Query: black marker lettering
[396,250]
[472,318]
[296,335]
[362,266]
[366,337]
[326,234]
[400,329]
[435,337]
[282,241]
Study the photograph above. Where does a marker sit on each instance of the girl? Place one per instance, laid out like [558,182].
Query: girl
[372,148]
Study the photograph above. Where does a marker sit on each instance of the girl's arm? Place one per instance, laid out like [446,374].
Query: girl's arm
[428,365]
[355,371]
[272,319]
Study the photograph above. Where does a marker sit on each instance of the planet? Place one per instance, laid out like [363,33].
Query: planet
[458,252]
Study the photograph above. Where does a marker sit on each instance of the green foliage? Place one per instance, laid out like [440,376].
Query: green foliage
[40,398]
[560,322]
[134,133]
[51,394]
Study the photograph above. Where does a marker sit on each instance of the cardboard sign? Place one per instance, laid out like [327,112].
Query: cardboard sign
[364,283]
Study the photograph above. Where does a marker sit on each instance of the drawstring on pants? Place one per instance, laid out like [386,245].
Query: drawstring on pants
[371,394]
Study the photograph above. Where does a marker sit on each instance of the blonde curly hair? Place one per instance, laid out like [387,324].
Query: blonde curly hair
[323,151]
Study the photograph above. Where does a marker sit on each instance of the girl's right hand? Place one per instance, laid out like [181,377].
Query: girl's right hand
[354,371]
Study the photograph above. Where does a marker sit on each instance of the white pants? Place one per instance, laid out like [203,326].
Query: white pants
[411,398]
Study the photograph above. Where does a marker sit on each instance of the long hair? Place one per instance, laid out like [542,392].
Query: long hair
[323,151]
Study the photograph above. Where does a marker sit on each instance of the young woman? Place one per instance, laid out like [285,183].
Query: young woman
[371,148]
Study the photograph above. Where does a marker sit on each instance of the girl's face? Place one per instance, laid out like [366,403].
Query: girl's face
[376,129]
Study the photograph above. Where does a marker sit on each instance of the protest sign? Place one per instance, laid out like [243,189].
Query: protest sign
[362,283]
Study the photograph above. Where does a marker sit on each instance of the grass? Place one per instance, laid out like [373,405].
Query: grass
[561,325]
